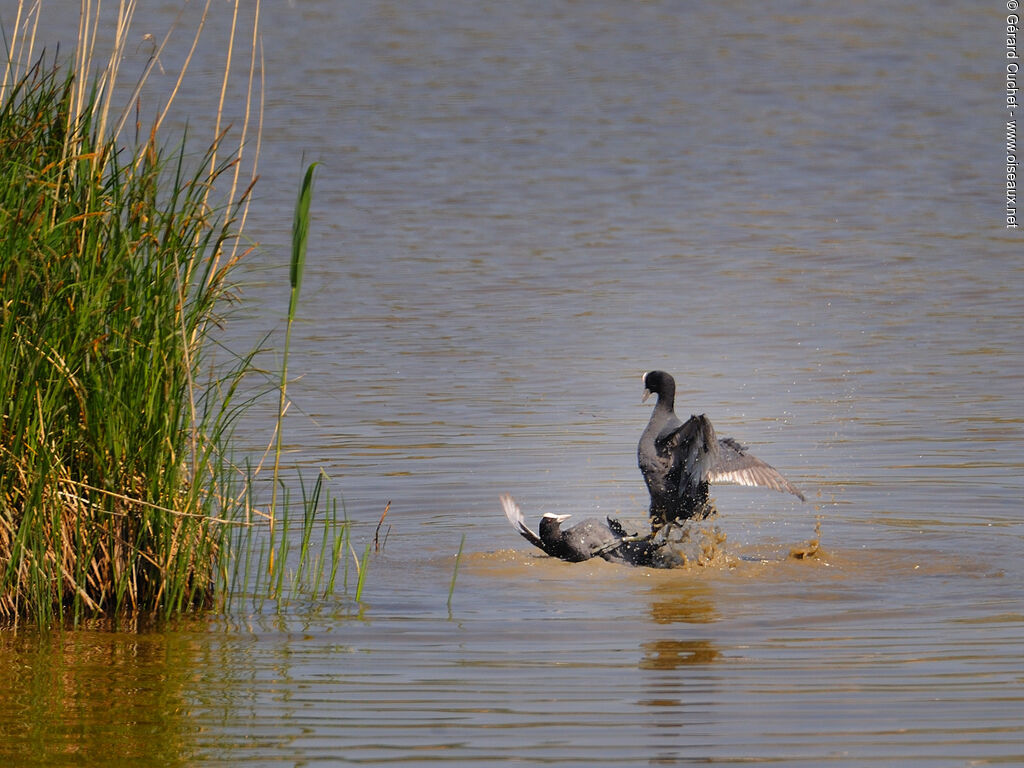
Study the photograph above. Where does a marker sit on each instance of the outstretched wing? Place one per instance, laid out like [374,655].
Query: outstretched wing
[515,516]
[734,465]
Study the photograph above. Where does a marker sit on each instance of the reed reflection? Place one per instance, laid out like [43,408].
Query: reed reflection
[95,698]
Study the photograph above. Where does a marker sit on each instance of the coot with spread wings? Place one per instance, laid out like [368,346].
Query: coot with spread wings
[680,459]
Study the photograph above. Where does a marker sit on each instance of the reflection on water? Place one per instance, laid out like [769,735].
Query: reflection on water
[97,698]
[543,660]
[672,654]
[679,602]
[520,207]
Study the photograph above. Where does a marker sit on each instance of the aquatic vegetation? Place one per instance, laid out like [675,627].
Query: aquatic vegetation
[118,492]
[455,570]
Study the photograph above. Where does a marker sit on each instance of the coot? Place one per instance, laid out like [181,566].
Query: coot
[588,538]
[680,459]
[674,545]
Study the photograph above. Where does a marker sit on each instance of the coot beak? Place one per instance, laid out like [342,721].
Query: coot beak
[647,392]
[557,518]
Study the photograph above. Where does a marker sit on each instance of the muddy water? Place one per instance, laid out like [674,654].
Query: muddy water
[521,207]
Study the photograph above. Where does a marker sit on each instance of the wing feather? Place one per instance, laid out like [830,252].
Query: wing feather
[515,516]
[734,465]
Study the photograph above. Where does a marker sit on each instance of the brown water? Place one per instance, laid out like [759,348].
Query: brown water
[520,207]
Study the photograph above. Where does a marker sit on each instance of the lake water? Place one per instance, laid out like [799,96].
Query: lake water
[796,208]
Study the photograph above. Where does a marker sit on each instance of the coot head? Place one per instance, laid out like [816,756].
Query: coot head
[659,383]
[551,525]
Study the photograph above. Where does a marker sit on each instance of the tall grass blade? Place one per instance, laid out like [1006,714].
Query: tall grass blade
[455,571]
[361,568]
[300,234]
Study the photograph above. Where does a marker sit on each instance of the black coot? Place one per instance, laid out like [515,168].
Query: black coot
[680,459]
[672,546]
[588,538]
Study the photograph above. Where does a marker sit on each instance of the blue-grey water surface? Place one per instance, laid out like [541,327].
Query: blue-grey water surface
[796,208]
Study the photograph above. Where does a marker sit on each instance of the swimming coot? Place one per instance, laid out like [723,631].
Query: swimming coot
[680,459]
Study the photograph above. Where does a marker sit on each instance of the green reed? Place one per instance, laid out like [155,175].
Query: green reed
[118,493]
[455,570]
[110,453]
[300,235]
[292,564]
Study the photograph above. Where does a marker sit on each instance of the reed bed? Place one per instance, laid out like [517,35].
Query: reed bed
[118,494]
